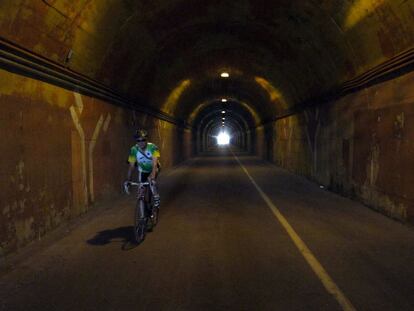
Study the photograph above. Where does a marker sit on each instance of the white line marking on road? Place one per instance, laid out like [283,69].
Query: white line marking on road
[323,276]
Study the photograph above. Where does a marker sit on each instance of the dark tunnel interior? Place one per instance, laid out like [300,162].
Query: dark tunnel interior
[322,89]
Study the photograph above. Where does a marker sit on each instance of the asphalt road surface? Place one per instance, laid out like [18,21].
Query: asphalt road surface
[225,241]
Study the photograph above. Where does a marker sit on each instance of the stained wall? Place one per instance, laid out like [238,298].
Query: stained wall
[62,153]
[361,146]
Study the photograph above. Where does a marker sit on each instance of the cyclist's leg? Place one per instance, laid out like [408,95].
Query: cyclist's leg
[147,193]
[142,177]
[154,190]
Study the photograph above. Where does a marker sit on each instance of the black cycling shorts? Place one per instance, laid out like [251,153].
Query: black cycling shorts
[143,177]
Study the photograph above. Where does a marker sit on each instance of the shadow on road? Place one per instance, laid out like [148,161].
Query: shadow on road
[122,235]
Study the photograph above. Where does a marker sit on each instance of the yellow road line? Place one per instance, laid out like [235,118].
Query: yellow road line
[321,273]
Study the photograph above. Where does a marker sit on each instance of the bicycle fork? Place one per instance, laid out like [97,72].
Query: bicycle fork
[141,203]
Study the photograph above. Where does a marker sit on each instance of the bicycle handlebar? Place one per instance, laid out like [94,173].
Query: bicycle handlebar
[127,184]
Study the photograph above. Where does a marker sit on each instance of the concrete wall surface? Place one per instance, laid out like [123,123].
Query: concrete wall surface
[361,146]
[61,152]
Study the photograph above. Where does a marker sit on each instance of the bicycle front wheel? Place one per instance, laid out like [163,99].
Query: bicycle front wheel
[140,224]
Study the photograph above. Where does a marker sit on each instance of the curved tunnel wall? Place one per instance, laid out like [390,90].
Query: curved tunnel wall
[324,90]
[360,146]
[63,152]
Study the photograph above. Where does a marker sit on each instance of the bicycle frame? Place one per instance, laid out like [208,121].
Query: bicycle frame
[145,216]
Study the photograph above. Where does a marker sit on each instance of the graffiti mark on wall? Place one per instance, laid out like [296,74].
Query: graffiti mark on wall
[373,166]
[312,133]
[107,121]
[399,125]
[78,126]
[76,111]
[159,130]
[91,148]
[79,103]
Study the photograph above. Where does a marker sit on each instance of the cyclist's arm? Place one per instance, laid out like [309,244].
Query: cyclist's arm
[131,160]
[155,157]
[154,167]
[130,170]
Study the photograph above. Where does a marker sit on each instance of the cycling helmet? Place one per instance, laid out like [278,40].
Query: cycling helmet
[141,134]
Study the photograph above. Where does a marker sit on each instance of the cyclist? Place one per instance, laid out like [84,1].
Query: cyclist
[146,156]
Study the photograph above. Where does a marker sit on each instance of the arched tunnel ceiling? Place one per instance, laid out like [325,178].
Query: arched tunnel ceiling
[233,112]
[168,53]
[236,89]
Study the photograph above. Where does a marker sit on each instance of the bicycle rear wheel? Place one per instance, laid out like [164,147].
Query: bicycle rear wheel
[153,213]
[155,216]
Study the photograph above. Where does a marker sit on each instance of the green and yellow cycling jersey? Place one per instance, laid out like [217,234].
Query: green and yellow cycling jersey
[144,157]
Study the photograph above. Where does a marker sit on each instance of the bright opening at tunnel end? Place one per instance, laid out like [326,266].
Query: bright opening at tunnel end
[223,139]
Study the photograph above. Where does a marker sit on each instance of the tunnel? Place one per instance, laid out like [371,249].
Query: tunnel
[321,90]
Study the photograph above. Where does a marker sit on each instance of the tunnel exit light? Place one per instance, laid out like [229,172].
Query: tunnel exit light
[224,75]
[223,139]
[223,100]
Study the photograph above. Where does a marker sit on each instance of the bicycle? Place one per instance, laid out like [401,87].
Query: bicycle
[146,214]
